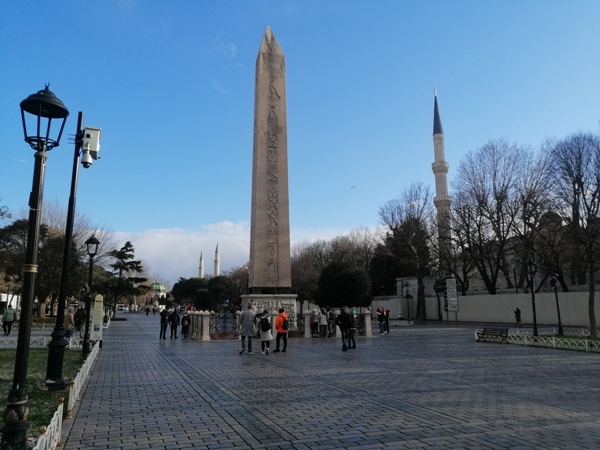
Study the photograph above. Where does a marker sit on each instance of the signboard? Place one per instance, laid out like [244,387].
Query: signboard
[451,300]
[96,320]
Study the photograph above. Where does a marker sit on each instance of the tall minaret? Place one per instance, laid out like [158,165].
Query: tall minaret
[201,267]
[442,200]
[217,262]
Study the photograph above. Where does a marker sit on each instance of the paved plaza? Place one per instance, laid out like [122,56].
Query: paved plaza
[427,386]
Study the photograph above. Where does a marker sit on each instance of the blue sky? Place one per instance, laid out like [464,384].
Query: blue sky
[171,84]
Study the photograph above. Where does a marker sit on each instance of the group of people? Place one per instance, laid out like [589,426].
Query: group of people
[74,321]
[250,321]
[383,317]
[170,319]
[321,323]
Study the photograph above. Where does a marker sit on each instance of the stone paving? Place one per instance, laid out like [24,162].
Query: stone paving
[427,386]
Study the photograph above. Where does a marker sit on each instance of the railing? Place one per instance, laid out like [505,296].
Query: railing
[39,342]
[49,437]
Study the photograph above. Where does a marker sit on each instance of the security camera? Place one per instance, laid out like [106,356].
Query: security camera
[86,160]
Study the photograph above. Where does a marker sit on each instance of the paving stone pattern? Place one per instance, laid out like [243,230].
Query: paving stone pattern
[427,386]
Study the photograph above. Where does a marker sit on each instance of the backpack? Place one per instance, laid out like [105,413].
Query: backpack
[265,325]
[286,324]
[185,322]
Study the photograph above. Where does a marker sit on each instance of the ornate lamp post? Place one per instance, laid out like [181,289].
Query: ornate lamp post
[43,106]
[532,269]
[87,142]
[92,250]
[553,283]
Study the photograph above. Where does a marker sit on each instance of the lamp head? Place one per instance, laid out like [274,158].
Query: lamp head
[92,246]
[43,105]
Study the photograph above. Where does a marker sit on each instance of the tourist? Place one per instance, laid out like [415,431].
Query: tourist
[281,325]
[386,321]
[8,318]
[69,321]
[79,320]
[381,319]
[352,330]
[174,321]
[323,323]
[185,325]
[164,322]
[518,317]
[343,321]
[314,323]
[247,329]
[264,324]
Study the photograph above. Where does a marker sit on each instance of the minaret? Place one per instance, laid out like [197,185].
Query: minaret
[442,200]
[217,262]
[201,267]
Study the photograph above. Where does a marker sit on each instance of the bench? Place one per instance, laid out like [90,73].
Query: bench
[493,334]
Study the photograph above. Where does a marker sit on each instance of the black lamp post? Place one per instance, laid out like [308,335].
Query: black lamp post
[532,268]
[407,296]
[92,250]
[88,140]
[553,283]
[41,105]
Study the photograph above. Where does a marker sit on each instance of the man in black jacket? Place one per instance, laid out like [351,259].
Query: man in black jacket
[343,321]
[174,321]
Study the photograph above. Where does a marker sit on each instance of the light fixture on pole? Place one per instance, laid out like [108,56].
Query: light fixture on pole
[554,283]
[87,142]
[41,106]
[92,250]
[407,296]
[532,269]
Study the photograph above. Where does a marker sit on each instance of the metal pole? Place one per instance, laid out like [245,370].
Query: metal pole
[17,410]
[531,274]
[56,347]
[85,351]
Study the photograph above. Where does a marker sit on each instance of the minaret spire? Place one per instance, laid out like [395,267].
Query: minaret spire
[442,200]
[201,267]
[217,262]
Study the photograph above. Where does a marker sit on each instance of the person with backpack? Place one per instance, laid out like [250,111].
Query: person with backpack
[264,326]
[282,324]
[185,325]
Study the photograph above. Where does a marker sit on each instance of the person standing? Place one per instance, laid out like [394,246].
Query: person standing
[8,318]
[343,321]
[174,321]
[314,323]
[386,321]
[79,319]
[281,325]
[266,336]
[185,325]
[164,322]
[381,319]
[352,330]
[323,323]
[518,317]
[247,329]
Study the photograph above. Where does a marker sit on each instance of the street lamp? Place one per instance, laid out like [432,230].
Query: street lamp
[92,250]
[532,268]
[553,283]
[41,105]
[87,146]
[407,296]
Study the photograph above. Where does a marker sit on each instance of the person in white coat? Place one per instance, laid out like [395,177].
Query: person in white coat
[264,324]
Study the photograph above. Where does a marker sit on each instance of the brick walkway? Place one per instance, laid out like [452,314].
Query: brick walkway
[429,386]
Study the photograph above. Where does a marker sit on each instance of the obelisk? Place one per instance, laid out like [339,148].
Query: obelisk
[270,267]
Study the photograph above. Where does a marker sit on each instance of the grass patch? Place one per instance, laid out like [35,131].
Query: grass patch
[42,404]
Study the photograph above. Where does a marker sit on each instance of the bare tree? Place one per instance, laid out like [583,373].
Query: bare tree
[577,188]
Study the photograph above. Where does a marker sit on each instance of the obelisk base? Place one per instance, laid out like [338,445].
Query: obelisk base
[273,303]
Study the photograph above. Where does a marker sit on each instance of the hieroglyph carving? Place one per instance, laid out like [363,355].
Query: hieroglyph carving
[274,65]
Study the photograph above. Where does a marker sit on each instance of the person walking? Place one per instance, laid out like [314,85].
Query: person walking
[247,329]
[343,321]
[8,318]
[164,322]
[185,325]
[518,317]
[314,323]
[352,330]
[79,320]
[174,321]
[264,324]
[381,319]
[69,322]
[323,323]
[281,325]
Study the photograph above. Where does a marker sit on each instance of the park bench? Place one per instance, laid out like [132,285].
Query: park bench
[493,334]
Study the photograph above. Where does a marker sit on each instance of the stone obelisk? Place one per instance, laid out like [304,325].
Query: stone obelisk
[270,267]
